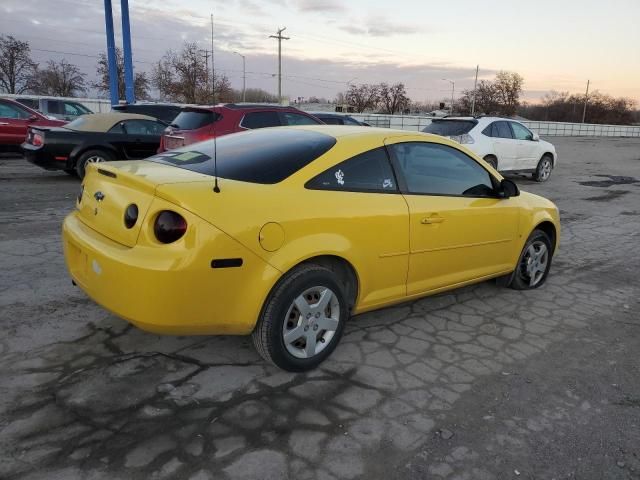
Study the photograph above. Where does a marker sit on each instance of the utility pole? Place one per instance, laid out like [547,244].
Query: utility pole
[475,85]
[244,77]
[453,88]
[213,68]
[279,37]
[586,99]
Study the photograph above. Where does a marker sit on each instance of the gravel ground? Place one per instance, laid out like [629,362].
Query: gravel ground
[479,383]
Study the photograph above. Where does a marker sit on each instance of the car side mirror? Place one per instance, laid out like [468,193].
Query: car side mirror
[535,137]
[508,189]
[32,119]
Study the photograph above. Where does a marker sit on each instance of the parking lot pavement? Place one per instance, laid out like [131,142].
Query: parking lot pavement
[481,383]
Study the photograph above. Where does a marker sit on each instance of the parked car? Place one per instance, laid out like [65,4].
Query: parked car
[100,137]
[331,118]
[15,119]
[56,108]
[308,226]
[507,145]
[165,112]
[195,124]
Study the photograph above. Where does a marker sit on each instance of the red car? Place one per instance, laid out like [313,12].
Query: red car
[195,124]
[15,119]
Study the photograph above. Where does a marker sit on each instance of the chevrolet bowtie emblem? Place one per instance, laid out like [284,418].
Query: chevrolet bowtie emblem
[99,196]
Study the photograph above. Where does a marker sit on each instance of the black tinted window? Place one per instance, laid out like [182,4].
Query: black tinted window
[501,130]
[350,121]
[367,172]
[35,104]
[261,120]
[143,127]
[430,168]
[449,127]
[332,120]
[194,119]
[290,118]
[256,156]
[117,128]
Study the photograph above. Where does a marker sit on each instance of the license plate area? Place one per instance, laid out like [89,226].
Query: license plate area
[171,142]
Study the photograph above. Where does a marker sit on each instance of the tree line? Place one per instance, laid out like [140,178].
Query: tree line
[184,76]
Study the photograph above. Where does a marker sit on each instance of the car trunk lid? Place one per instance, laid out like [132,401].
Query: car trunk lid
[110,188]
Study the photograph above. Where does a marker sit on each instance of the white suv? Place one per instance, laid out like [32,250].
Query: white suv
[506,144]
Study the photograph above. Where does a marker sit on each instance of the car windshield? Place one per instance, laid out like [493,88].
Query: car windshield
[193,119]
[76,124]
[448,128]
[259,156]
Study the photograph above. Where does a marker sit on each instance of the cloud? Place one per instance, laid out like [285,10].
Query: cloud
[320,6]
[382,27]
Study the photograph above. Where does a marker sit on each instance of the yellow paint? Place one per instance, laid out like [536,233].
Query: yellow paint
[400,246]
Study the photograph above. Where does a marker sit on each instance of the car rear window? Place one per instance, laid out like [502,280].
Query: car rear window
[448,128]
[257,156]
[194,119]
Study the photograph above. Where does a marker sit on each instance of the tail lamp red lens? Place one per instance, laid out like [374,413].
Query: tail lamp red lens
[37,140]
[169,226]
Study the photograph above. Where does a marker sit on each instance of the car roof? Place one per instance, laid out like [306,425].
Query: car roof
[101,122]
[329,114]
[355,132]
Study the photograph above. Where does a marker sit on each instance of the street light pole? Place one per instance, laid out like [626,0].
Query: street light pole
[244,77]
[586,99]
[453,87]
[279,37]
[475,86]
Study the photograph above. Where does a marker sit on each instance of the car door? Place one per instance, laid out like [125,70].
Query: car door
[459,230]
[527,154]
[13,124]
[142,137]
[504,145]
[369,214]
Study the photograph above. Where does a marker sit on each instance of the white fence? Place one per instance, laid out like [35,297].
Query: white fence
[417,123]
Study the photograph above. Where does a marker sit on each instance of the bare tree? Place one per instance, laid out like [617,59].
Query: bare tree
[256,95]
[508,87]
[16,67]
[393,97]
[185,77]
[140,81]
[62,79]
[487,99]
[362,97]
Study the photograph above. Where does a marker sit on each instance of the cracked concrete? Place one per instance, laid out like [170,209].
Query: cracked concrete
[481,382]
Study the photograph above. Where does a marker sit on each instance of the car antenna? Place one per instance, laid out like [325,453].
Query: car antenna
[216,188]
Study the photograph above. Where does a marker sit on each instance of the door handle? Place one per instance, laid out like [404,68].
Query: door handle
[4,123]
[432,219]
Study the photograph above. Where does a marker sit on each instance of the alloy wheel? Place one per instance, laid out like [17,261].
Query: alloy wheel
[534,262]
[311,322]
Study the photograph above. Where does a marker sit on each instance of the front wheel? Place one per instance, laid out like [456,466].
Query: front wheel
[543,170]
[534,262]
[302,320]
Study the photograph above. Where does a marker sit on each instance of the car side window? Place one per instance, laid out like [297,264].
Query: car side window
[260,120]
[350,121]
[367,172]
[490,131]
[117,128]
[502,130]
[332,121]
[290,118]
[435,169]
[143,127]
[11,111]
[71,109]
[521,132]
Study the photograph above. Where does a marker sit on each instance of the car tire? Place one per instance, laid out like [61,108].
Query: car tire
[534,262]
[91,156]
[492,160]
[288,319]
[544,168]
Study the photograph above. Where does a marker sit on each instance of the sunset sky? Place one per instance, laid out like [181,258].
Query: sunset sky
[554,45]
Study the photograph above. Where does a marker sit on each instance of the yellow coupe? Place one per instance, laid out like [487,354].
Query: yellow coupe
[284,233]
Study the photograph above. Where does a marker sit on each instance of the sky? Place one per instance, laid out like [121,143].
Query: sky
[555,45]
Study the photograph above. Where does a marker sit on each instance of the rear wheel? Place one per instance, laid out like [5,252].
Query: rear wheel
[544,168]
[534,262]
[91,156]
[492,160]
[302,320]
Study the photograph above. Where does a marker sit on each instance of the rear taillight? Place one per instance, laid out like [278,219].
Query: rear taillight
[169,226]
[37,140]
[131,215]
